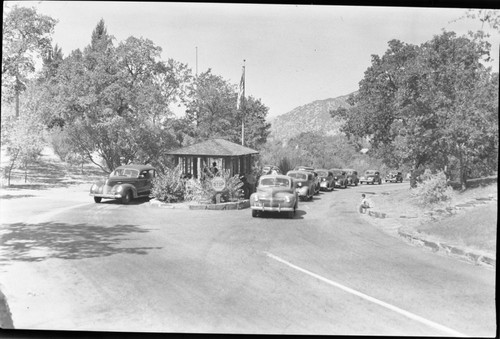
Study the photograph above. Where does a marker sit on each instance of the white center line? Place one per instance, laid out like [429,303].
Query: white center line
[372,299]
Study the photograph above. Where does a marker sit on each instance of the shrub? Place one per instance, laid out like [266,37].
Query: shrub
[433,189]
[285,165]
[202,190]
[169,186]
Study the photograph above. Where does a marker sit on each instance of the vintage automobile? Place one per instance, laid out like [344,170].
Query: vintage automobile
[317,179]
[125,183]
[340,177]
[394,177]
[326,182]
[304,183]
[303,168]
[371,177]
[270,169]
[352,176]
[276,193]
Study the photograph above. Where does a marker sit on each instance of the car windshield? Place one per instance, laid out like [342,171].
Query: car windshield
[370,173]
[125,172]
[300,176]
[322,173]
[337,172]
[270,182]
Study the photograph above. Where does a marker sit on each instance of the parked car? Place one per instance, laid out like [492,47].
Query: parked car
[371,177]
[304,183]
[317,179]
[303,168]
[125,183]
[352,176]
[326,182]
[394,177]
[276,193]
[270,169]
[340,177]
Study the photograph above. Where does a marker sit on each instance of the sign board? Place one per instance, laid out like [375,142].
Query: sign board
[218,184]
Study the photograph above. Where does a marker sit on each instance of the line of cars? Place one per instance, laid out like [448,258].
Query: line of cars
[277,192]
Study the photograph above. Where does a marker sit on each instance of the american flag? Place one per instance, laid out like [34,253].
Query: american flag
[241,93]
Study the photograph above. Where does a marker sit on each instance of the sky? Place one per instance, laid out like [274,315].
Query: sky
[294,54]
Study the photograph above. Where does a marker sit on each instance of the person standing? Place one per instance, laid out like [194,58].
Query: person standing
[214,169]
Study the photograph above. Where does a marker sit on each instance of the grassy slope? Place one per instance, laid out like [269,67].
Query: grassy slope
[47,172]
[472,228]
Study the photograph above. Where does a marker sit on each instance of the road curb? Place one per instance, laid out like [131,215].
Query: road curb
[434,246]
[454,251]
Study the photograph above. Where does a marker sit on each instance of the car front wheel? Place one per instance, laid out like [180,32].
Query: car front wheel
[127,197]
[255,213]
[97,199]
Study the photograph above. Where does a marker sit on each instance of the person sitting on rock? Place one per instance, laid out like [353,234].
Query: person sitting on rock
[365,204]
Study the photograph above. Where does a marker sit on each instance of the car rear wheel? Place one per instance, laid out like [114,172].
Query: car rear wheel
[97,199]
[127,197]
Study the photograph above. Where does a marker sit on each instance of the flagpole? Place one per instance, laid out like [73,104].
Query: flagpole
[243,109]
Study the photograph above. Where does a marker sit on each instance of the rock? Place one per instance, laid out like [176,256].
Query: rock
[488,260]
[456,250]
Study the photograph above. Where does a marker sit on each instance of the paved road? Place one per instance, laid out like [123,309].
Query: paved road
[67,263]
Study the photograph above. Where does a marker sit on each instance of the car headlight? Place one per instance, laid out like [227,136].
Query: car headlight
[119,189]
[93,188]
[256,197]
[299,184]
[287,198]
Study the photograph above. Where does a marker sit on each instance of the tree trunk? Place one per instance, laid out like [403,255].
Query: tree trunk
[25,172]
[11,167]
[17,91]
[463,172]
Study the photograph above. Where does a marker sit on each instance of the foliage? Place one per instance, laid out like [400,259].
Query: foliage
[113,101]
[26,34]
[211,109]
[169,187]
[319,151]
[285,165]
[432,189]
[203,191]
[23,137]
[428,105]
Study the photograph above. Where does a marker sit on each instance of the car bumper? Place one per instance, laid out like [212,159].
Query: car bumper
[272,209]
[106,196]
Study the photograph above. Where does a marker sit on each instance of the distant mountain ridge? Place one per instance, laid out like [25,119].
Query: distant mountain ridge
[312,117]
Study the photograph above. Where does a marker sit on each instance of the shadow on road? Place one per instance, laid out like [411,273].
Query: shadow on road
[137,201]
[9,196]
[38,242]
[299,214]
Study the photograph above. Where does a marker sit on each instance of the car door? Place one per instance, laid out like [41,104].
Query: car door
[144,182]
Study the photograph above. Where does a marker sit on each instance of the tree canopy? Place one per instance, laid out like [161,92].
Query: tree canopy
[26,34]
[435,104]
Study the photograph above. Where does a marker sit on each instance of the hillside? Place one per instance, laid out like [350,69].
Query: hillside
[312,117]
